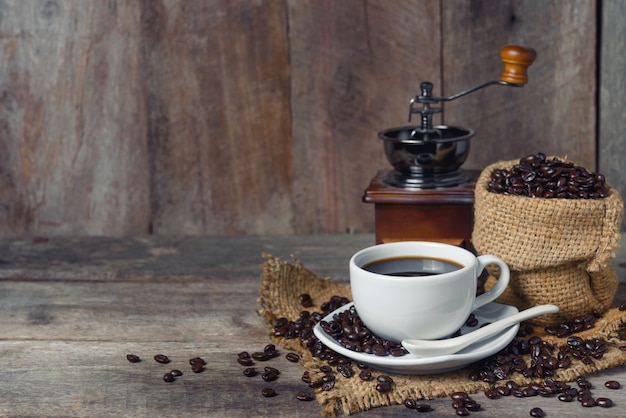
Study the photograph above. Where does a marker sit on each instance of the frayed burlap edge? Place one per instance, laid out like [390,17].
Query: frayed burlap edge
[281,284]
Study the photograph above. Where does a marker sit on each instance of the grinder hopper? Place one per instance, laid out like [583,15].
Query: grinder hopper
[427,156]
[427,195]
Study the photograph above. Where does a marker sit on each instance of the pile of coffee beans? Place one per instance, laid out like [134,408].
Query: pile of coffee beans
[537,176]
[350,332]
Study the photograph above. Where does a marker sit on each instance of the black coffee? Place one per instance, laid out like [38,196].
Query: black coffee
[412,266]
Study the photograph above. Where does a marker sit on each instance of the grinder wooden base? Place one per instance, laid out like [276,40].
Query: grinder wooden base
[442,214]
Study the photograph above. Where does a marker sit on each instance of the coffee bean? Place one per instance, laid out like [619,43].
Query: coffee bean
[242,361]
[537,412]
[305,300]
[612,384]
[410,403]
[564,363]
[622,307]
[575,341]
[133,358]
[316,384]
[304,396]
[588,402]
[423,407]
[365,374]
[326,386]
[270,350]
[176,373]
[269,376]
[384,378]
[161,358]
[345,370]
[460,395]
[268,392]
[472,405]
[292,357]
[260,356]
[168,377]
[383,387]
[462,412]
[529,391]
[328,378]
[197,367]
[200,360]
[491,394]
[458,403]
[379,350]
[503,390]
[604,402]
[269,369]
[249,372]
[326,369]
[471,321]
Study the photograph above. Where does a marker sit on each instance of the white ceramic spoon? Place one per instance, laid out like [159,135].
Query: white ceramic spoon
[431,348]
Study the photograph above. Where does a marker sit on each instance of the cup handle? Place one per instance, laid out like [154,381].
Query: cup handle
[501,284]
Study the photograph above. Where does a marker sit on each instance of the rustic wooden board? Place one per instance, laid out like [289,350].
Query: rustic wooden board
[73,151]
[65,336]
[217,91]
[355,66]
[611,138]
[555,112]
[171,258]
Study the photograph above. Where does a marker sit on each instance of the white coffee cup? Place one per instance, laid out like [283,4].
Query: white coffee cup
[423,307]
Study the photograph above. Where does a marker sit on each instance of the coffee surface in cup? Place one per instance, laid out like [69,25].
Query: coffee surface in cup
[412,266]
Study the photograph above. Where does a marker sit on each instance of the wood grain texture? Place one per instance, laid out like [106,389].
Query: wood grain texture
[217,96]
[73,156]
[555,112]
[66,329]
[355,66]
[611,140]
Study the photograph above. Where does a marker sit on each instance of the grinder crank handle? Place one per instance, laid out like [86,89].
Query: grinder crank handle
[516,61]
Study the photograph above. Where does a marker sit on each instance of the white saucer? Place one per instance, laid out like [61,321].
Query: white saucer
[411,364]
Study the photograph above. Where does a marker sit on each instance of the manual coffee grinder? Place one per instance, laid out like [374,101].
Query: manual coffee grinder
[427,196]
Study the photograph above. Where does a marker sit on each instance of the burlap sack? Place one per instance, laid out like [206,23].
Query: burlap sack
[557,249]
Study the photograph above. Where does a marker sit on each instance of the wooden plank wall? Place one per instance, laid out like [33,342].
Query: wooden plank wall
[233,117]
[612,115]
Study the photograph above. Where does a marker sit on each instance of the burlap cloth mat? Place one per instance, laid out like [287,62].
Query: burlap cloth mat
[281,284]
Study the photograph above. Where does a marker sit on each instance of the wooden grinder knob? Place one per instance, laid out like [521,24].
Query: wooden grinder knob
[516,61]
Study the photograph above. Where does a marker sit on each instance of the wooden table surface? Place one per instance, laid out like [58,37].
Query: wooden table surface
[71,309]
